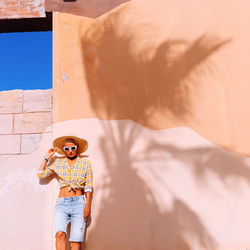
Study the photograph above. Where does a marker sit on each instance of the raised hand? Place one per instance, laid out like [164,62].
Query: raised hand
[50,153]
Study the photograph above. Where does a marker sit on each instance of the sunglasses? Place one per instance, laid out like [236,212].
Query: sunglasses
[72,148]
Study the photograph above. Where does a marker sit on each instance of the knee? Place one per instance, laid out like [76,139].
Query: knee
[60,236]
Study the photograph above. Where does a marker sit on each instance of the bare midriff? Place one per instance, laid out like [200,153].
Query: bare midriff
[64,192]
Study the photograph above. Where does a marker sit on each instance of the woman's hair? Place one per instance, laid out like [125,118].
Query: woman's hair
[71,140]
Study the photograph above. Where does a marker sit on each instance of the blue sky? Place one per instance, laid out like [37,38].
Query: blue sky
[26,60]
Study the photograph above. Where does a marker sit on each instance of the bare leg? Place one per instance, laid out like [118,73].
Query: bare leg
[61,241]
[75,246]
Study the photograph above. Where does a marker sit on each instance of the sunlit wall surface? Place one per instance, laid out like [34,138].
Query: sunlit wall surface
[161,92]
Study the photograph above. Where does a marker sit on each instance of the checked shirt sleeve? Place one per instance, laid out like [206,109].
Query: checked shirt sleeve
[88,187]
[48,171]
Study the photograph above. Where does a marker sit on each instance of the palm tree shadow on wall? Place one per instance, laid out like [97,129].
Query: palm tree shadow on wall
[126,85]
[228,167]
[123,85]
[131,218]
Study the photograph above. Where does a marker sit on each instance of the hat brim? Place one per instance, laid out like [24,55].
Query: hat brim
[58,144]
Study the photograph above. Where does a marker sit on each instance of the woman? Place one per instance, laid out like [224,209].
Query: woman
[76,184]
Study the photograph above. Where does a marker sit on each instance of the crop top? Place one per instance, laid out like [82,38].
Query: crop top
[79,176]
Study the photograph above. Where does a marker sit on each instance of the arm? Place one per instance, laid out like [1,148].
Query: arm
[87,208]
[42,173]
[88,191]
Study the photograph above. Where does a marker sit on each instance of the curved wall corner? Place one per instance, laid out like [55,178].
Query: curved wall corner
[163,65]
[160,91]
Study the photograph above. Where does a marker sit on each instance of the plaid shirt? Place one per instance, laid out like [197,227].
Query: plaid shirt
[79,176]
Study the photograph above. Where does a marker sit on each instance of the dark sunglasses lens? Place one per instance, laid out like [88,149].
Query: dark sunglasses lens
[73,148]
[66,149]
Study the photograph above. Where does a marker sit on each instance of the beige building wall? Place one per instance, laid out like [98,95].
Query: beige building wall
[161,92]
[25,135]
[24,117]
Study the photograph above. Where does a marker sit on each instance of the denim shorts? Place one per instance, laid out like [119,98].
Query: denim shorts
[70,209]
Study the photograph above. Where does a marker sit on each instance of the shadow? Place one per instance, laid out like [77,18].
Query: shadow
[130,218]
[124,84]
[226,166]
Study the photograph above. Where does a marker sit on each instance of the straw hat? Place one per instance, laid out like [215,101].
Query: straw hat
[58,144]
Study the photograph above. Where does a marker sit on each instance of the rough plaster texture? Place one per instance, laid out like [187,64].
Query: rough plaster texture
[10,144]
[39,100]
[26,205]
[24,117]
[11,101]
[31,122]
[30,142]
[6,124]
[22,8]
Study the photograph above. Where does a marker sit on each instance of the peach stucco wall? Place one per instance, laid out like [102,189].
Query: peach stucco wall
[162,64]
[160,89]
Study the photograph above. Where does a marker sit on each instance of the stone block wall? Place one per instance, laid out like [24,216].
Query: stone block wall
[24,116]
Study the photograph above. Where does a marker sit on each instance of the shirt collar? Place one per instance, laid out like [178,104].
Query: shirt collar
[76,163]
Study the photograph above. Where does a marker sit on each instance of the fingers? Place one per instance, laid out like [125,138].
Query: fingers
[52,150]
[50,153]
